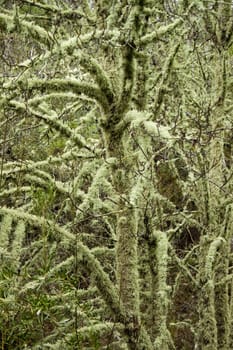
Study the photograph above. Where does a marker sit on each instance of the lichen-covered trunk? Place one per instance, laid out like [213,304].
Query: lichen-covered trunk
[127,272]
[207,327]
[127,243]
[213,331]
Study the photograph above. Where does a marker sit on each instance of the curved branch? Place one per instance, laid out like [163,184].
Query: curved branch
[98,73]
[69,85]
[103,282]
[37,32]
[53,122]
[149,38]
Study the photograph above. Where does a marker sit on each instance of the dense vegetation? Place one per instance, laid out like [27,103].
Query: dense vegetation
[116,175]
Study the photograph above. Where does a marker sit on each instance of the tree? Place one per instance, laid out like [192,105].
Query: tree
[116,175]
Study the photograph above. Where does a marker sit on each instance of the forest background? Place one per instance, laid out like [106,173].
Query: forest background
[116,175]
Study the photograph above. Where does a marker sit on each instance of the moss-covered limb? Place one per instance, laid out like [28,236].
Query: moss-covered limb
[207,333]
[115,12]
[219,23]
[216,169]
[128,62]
[92,197]
[90,64]
[71,45]
[103,251]
[223,28]
[161,89]
[216,176]
[159,299]
[211,256]
[37,177]
[163,339]
[162,261]
[52,9]
[68,46]
[149,38]
[99,330]
[5,229]
[144,341]
[47,116]
[203,191]
[222,307]
[222,285]
[225,280]
[38,33]
[220,83]
[136,22]
[30,166]
[127,243]
[134,118]
[37,181]
[151,288]
[127,265]
[221,292]
[15,190]
[208,18]
[231,309]
[140,96]
[141,21]
[99,75]
[58,186]
[43,113]
[19,235]
[16,167]
[35,101]
[225,11]
[63,129]
[66,85]
[105,286]
[128,69]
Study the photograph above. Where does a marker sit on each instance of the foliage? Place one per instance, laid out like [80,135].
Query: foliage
[116,175]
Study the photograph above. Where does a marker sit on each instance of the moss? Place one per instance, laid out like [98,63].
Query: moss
[5,230]
[57,146]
